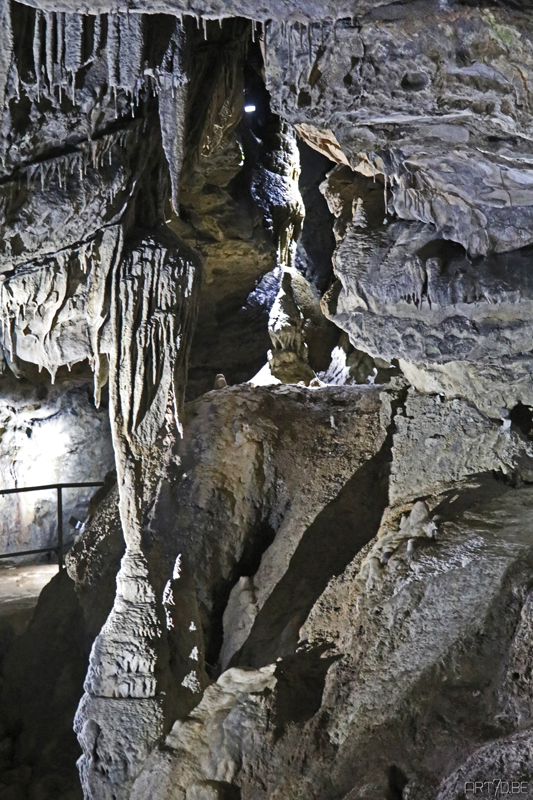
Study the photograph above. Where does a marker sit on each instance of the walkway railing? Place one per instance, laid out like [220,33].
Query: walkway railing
[58,487]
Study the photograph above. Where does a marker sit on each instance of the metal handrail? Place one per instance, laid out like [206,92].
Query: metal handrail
[59,488]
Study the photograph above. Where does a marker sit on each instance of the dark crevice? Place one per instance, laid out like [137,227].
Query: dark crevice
[522,417]
[258,541]
[300,686]
[397,782]
[314,257]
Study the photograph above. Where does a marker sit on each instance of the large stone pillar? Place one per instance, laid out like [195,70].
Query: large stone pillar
[153,307]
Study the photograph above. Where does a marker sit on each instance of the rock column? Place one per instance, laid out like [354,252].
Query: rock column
[121,715]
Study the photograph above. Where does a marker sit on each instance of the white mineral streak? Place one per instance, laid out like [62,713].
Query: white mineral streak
[192,683]
[168,619]
[168,597]
[172,90]
[177,569]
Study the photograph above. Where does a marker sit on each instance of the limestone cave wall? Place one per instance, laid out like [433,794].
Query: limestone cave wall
[270,263]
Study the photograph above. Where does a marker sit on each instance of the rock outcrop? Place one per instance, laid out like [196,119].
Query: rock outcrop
[431,278]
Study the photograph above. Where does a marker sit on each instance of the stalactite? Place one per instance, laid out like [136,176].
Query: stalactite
[73,47]
[73,42]
[49,46]
[6,50]
[38,296]
[172,102]
[37,44]
[60,40]
[130,50]
[97,35]
[113,50]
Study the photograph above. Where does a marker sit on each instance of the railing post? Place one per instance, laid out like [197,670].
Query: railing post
[59,528]
[58,487]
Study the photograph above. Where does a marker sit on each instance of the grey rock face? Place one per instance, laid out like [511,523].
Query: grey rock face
[448,441]
[442,126]
[49,435]
[252,522]
[362,706]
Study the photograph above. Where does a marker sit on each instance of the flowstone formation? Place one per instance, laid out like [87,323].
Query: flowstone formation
[314,223]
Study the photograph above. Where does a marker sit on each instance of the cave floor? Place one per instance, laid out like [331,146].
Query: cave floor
[20,587]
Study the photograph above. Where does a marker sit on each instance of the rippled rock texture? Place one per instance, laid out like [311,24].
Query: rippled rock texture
[435,110]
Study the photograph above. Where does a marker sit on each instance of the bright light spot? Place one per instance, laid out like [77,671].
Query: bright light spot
[191,682]
[44,453]
[177,569]
[264,377]
[169,620]
[168,597]
[194,654]
[249,109]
